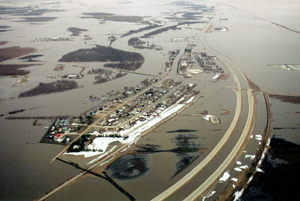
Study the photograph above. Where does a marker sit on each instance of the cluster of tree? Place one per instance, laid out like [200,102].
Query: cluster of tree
[112,39]
[135,42]
[127,65]
[31,57]
[146,82]
[141,29]
[113,17]
[99,79]
[103,54]
[13,69]
[46,88]
[101,71]
[76,31]
[78,145]
[158,31]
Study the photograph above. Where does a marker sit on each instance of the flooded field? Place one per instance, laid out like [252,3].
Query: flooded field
[170,151]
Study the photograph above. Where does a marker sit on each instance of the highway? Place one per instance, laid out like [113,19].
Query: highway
[207,159]
[243,137]
[201,189]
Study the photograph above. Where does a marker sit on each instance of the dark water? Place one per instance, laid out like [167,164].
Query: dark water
[128,167]
[280,180]
[281,165]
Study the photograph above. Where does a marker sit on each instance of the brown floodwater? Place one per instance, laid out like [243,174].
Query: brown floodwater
[250,42]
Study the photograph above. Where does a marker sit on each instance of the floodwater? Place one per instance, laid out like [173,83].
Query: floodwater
[26,172]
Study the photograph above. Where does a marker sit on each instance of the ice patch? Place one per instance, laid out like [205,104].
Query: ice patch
[250,179]
[233,185]
[258,137]
[225,177]
[238,169]
[252,157]
[268,143]
[217,76]
[238,194]
[239,163]
[211,193]
[234,179]
[262,156]
[251,136]
[244,167]
[190,100]
[245,151]
[206,117]
[259,170]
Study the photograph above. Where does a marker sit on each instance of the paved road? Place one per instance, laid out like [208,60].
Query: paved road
[217,173]
[222,168]
[210,156]
[213,153]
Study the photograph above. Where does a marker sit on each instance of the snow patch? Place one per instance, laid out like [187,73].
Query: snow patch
[190,100]
[268,142]
[239,163]
[171,110]
[95,133]
[217,76]
[211,193]
[234,179]
[206,117]
[238,194]
[258,137]
[250,179]
[105,162]
[259,170]
[252,157]
[86,154]
[102,155]
[225,177]
[238,169]
[244,167]
[262,157]
[101,143]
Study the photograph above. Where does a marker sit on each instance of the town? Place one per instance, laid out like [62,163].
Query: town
[136,108]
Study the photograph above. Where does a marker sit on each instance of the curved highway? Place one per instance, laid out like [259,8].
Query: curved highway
[243,137]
